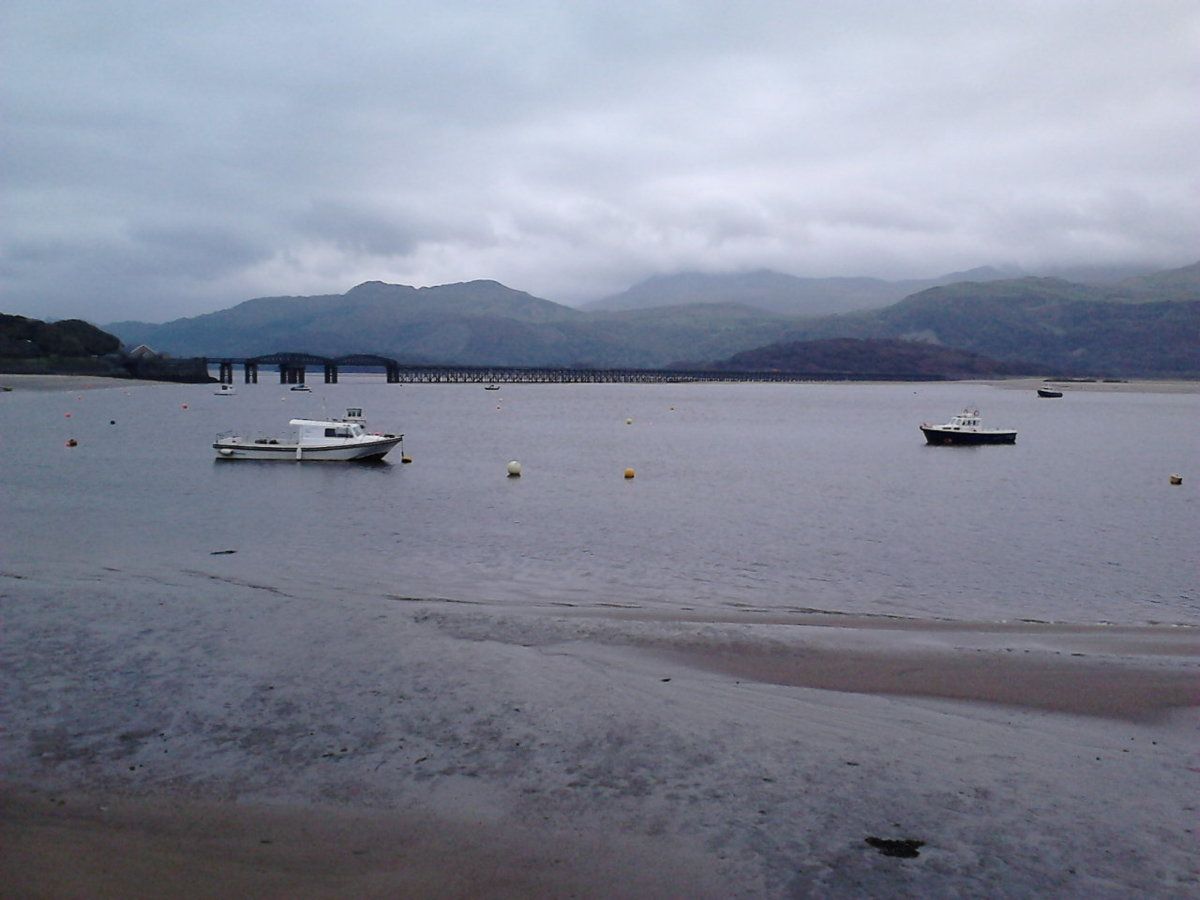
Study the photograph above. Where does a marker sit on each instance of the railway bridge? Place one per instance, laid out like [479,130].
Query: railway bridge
[293,368]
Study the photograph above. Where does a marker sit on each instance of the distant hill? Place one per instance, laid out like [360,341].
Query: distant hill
[776,292]
[447,321]
[1173,284]
[22,338]
[1146,325]
[476,323]
[75,347]
[1063,327]
[882,358]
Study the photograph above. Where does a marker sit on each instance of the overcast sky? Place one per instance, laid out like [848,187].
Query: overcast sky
[161,158]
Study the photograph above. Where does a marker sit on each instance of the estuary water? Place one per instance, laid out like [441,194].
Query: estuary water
[747,497]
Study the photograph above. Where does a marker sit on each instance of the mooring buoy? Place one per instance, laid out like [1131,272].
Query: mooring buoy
[629,473]
[514,469]
[1175,479]
[71,442]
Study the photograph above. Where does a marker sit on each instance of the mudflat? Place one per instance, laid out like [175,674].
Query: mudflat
[247,741]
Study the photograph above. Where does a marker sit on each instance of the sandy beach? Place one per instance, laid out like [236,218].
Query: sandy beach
[254,742]
[68,382]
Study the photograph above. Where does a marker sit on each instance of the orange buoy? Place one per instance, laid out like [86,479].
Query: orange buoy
[629,473]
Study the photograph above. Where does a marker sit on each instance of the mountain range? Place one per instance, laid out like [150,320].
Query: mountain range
[776,292]
[1147,325]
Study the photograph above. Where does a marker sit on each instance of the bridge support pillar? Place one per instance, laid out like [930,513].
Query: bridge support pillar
[331,373]
[226,376]
[251,373]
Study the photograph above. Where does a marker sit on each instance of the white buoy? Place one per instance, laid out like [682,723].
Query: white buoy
[514,469]
[629,421]
[1175,479]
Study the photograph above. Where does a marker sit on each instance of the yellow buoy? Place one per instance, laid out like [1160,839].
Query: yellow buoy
[629,473]
[514,469]
[1176,479]
[405,458]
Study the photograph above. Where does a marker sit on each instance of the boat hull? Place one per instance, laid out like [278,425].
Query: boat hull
[349,452]
[944,437]
[1046,392]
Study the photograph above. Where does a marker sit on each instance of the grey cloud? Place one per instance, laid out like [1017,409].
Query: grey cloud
[163,160]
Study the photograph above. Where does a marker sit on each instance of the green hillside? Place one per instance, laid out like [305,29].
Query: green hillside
[1062,327]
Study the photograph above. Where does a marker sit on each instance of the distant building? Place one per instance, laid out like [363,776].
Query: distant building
[141,351]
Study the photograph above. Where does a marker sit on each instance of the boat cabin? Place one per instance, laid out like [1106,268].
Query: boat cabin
[311,432]
[968,418]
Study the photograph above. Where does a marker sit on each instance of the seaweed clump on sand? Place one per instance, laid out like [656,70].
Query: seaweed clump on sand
[905,848]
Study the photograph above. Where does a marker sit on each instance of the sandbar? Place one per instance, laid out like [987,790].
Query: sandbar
[69,382]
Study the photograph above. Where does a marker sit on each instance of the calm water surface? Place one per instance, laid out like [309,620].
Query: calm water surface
[771,497]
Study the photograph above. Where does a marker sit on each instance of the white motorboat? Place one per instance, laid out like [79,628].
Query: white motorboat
[337,440]
[302,387]
[225,390]
[967,428]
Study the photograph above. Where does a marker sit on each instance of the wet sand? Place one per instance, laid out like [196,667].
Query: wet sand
[1112,690]
[200,739]
[82,846]
[68,382]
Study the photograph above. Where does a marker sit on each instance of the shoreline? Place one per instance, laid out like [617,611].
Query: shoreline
[1132,385]
[20,382]
[1151,386]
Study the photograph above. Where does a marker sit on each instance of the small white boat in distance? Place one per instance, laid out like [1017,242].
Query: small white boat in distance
[337,440]
[301,387]
[225,390]
[967,428]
